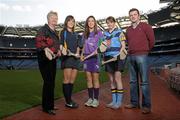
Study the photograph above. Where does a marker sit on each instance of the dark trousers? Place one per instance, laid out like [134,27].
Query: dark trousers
[48,72]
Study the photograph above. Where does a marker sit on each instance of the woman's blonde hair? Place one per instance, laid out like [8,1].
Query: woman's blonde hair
[51,13]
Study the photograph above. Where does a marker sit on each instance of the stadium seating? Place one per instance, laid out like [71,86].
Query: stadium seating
[167,40]
[17,47]
[17,53]
[174,79]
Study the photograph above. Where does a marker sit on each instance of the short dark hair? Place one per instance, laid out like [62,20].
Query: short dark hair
[134,9]
[111,19]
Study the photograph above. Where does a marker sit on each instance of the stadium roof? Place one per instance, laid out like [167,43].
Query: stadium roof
[164,1]
[166,16]
[122,22]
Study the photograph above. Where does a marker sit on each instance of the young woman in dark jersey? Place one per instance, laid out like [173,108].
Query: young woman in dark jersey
[70,64]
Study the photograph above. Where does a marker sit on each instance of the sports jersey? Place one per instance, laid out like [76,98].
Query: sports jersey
[91,43]
[73,40]
[115,38]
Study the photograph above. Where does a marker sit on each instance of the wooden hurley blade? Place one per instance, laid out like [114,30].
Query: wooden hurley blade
[72,54]
[123,54]
[63,50]
[103,47]
[110,60]
[90,55]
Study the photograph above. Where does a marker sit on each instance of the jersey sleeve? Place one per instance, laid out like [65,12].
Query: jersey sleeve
[122,37]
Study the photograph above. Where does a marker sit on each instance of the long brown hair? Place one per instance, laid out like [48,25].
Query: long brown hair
[86,31]
[68,18]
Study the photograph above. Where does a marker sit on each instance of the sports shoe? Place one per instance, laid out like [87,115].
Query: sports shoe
[95,103]
[113,100]
[109,105]
[72,104]
[75,104]
[55,108]
[115,106]
[88,103]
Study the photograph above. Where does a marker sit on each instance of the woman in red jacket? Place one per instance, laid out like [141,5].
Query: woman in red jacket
[47,44]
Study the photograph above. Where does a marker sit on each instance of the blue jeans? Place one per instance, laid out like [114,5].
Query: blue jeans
[138,67]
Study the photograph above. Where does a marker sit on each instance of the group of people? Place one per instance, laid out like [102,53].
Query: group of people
[139,37]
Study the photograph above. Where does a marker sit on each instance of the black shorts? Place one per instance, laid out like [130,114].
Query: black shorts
[70,62]
[114,66]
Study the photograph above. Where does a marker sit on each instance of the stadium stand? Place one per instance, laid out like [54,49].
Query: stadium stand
[167,34]
[18,42]
[17,52]
[165,56]
[174,79]
[167,40]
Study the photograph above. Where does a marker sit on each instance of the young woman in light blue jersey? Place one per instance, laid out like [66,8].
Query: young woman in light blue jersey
[116,43]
